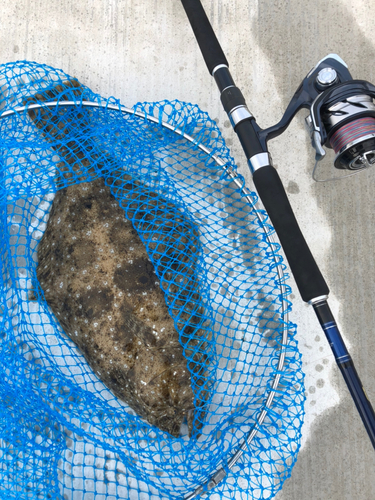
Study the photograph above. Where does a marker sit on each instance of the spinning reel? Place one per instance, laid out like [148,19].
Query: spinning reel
[342,115]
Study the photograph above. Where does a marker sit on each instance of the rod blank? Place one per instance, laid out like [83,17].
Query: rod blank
[206,38]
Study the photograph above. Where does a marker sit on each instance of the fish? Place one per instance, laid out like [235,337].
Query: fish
[120,285]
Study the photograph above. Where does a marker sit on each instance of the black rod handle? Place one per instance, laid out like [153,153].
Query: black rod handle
[309,279]
[206,38]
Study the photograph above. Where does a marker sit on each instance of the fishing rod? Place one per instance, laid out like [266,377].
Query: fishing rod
[342,118]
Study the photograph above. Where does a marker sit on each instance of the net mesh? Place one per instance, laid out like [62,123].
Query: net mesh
[142,305]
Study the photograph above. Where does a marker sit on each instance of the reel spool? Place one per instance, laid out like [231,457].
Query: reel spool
[342,116]
[351,132]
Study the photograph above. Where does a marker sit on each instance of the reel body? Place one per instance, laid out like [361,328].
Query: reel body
[342,114]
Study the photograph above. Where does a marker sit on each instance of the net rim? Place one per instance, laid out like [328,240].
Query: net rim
[221,473]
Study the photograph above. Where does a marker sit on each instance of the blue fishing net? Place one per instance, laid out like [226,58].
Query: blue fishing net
[146,351]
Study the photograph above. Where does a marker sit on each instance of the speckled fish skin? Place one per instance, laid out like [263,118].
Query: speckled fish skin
[100,283]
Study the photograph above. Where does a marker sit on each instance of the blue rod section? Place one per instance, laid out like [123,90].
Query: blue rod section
[346,365]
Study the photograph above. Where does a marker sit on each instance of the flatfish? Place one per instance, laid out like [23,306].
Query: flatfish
[105,285]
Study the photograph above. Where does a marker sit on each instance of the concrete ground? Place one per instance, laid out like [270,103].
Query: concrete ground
[143,50]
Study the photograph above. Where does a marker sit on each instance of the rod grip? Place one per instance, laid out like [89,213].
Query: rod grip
[309,279]
[206,38]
